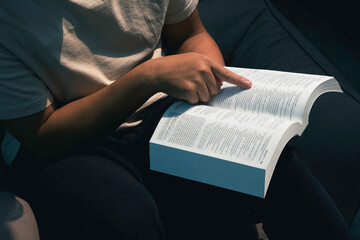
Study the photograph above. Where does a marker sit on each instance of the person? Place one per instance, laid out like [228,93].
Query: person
[82,88]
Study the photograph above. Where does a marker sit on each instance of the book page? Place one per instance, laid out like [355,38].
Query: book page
[274,93]
[235,136]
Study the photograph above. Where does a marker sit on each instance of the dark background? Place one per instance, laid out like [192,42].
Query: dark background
[332,27]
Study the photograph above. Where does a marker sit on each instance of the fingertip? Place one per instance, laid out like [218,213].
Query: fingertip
[232,77]
[247,83]
[242,81]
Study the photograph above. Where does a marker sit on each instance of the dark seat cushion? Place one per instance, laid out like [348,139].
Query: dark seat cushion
[3,167]
[252,33]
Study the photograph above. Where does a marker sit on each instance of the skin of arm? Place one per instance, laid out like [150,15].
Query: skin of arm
[17,221]
[191,36]
[194,73]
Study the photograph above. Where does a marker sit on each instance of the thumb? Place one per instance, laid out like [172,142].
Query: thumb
[223,74]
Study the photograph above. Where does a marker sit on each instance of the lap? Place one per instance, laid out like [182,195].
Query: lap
[295,202]
[103,192]
[88,196]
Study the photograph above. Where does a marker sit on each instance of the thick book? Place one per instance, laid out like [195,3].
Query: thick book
[234,141]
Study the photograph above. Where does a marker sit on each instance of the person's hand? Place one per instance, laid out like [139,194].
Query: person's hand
[192,77]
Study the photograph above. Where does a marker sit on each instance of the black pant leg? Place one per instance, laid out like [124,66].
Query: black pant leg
[91,197]
[297,206]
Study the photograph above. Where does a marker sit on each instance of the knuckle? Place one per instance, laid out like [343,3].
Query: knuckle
[198,83]
[227,74]
[203,69]
[189,88]
[204,57]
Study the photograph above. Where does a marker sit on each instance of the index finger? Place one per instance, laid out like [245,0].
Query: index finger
[224,74]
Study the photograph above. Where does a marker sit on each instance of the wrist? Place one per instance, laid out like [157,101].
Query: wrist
[150,71]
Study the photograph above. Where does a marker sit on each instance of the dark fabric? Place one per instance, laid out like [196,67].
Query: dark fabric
[4,185]
[90,195]
[94,192]
[251,33]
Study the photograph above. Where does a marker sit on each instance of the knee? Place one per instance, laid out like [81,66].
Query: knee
[132,216]
[140,219]
[102,199]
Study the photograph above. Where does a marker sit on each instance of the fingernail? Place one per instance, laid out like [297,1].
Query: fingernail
[248,83]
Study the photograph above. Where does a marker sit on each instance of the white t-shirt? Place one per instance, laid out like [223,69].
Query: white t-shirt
[68,49]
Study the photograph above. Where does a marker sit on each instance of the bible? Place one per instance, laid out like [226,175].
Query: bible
[235,140]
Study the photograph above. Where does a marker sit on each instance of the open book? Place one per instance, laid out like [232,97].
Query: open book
[235,140]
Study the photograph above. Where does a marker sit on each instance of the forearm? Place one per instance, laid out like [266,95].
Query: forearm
[104,110]
[56,131]
[202,43]
[191,36]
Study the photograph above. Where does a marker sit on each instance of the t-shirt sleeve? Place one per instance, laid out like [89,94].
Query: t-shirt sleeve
[22,93]
[179,10]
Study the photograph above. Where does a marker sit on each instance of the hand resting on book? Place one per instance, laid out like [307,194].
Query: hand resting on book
[193,77]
